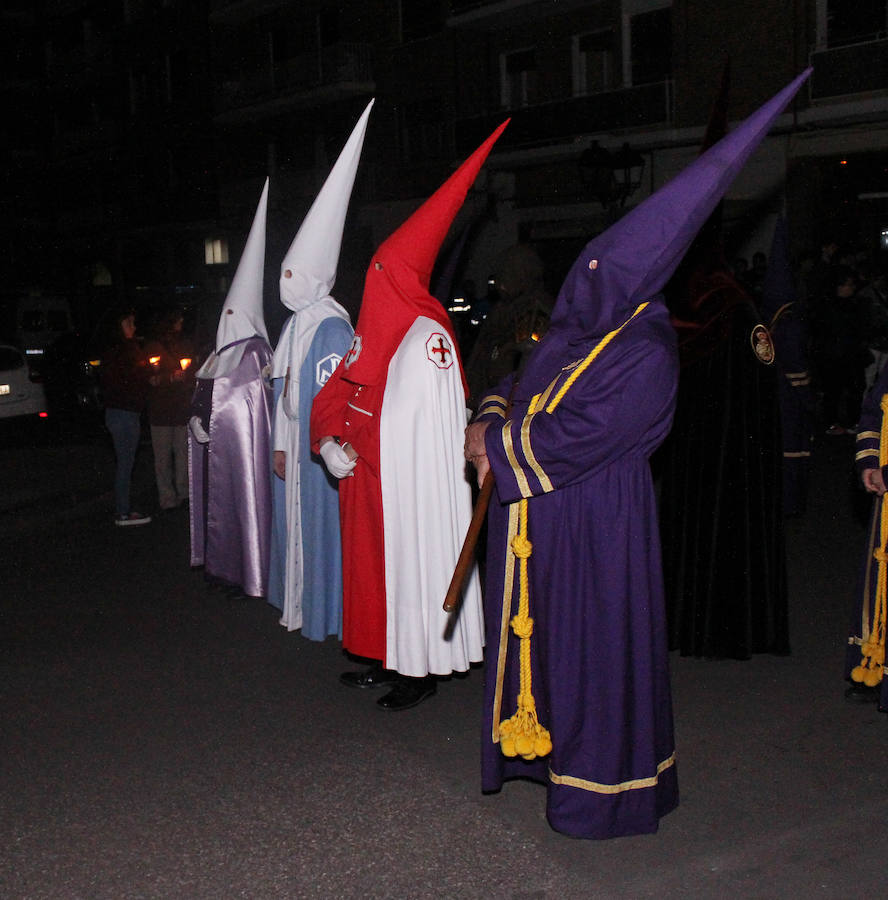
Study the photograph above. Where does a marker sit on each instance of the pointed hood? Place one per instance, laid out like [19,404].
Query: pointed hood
[396,288]
[242,315]
[632,261]
[778,286]
[314,254]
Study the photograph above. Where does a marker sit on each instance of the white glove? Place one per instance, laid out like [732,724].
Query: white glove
[198,431]
[335,459]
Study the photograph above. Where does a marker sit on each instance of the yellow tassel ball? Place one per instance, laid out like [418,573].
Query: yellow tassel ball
[507,745]
[871,679]
[542,746]
[524,744]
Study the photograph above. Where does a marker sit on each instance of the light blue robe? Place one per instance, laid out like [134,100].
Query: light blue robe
[320,585]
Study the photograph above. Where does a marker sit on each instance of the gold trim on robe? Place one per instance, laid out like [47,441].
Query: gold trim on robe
[598,788]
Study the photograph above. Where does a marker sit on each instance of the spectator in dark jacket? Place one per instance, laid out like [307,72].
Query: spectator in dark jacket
[172,362]
[125,389]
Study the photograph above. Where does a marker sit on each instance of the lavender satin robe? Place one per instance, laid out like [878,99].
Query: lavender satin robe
[230,477]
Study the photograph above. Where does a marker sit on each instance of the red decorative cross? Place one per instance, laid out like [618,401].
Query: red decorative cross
[442,350]
[441,354]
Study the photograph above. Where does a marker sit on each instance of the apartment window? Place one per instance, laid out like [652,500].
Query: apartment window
[422,131]
[593,62]
[420,19]
[280,44]
[147,87]
[178,73]
[854,21]
[133,10]
[216,251]
[518,78]
[650,46]
[328,27]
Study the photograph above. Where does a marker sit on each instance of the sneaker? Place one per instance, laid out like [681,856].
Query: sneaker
[133,518]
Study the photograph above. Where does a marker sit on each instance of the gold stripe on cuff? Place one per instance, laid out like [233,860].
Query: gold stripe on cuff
[493,405]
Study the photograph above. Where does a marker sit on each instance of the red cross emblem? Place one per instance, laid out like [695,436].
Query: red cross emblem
[439,350]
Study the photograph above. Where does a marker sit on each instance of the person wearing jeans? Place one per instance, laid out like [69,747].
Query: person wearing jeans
[124,427]
[171,381]
[125,387]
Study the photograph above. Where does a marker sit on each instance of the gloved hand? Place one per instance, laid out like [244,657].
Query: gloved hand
[198,430]
[336,460]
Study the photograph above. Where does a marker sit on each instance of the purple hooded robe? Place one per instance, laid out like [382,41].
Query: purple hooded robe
[599,660]
[577,450]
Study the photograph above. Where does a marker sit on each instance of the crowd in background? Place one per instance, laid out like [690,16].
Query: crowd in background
[842,306]
[843,303]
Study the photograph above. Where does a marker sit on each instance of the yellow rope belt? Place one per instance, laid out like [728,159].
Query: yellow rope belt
[522,734]
[873,647]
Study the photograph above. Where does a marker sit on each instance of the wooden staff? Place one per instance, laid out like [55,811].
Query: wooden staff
[453,599]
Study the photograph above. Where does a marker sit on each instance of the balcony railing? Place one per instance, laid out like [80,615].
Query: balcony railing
[484,13]
[341,65]
[560,121]
[232,11]
[460,7]
[852,69]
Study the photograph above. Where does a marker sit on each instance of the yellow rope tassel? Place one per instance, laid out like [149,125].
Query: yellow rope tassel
[869,672]
[522,734]
[591,358]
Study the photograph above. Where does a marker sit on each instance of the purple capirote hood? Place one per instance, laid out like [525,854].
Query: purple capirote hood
[635,257]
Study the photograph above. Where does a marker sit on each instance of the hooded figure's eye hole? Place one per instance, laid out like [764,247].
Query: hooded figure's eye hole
[229,312]
[593,264]
[288,273]
[378,266]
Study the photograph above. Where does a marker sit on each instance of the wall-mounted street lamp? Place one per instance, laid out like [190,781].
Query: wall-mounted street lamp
[611,176]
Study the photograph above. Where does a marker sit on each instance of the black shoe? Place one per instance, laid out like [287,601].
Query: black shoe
[860,693]
[408,692]
[373,677]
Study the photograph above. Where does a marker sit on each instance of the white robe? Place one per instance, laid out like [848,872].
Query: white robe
[427,506]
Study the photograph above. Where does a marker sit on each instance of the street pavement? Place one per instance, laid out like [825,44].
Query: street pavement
[160,739]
